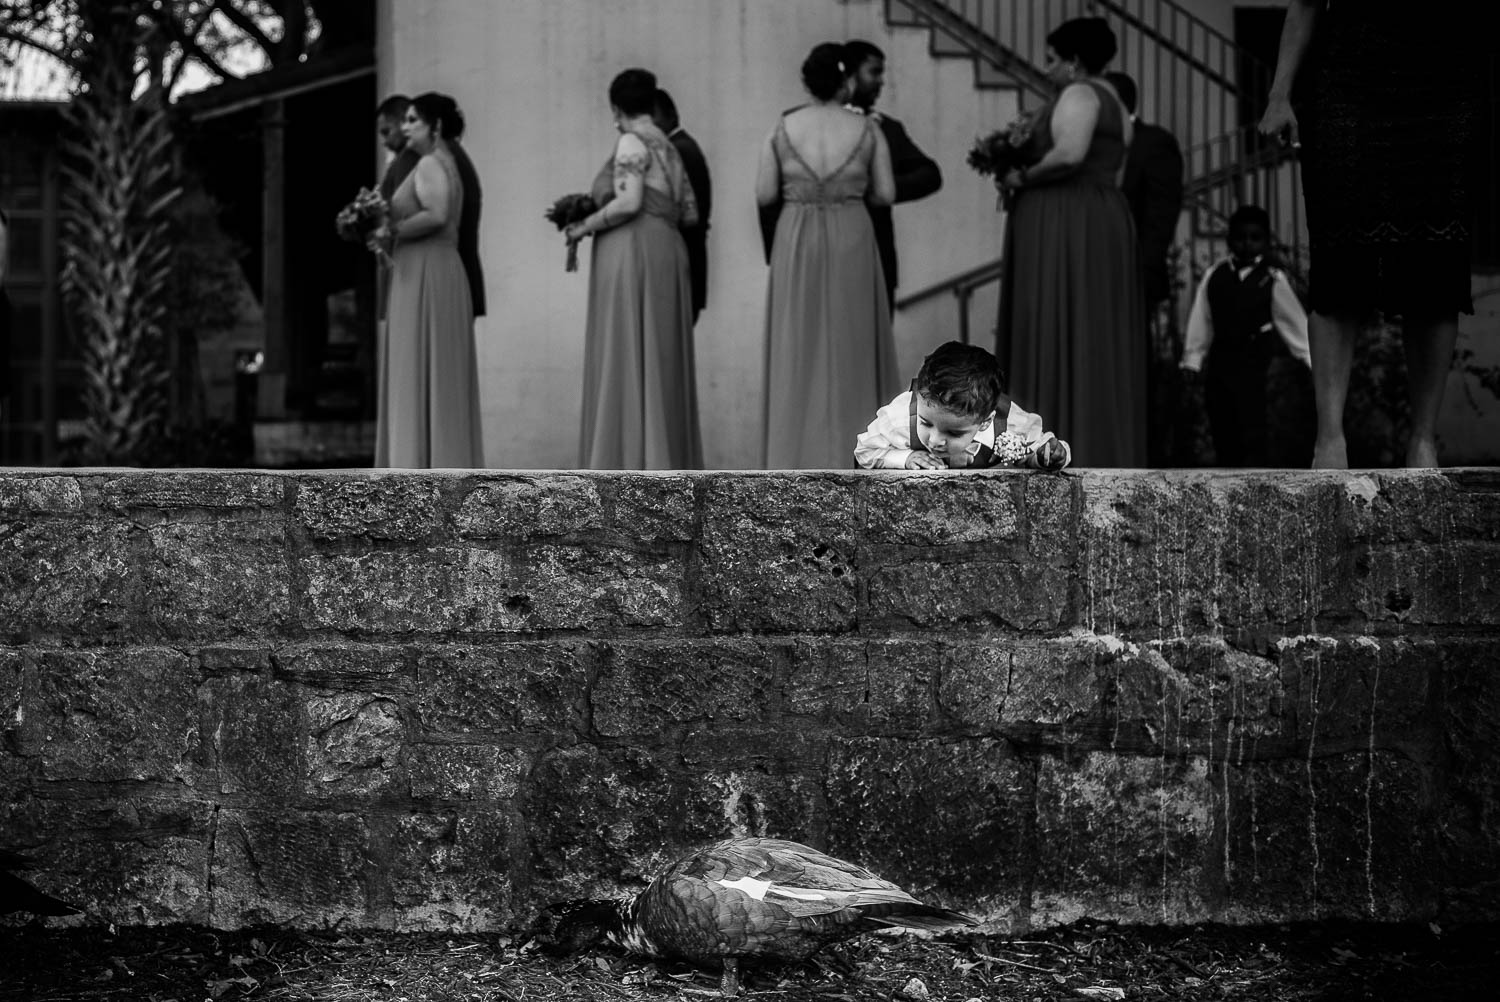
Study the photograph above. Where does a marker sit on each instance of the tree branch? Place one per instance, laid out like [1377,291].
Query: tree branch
[245,23]
[20,37]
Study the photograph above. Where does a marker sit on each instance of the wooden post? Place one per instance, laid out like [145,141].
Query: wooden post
[271,396]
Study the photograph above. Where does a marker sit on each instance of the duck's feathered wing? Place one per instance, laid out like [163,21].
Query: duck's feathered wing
[744,897]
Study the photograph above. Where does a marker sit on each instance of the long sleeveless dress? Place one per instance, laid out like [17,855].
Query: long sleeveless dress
[1070,333]
[830,354]
[1390,107]
[429,379]
[640,398]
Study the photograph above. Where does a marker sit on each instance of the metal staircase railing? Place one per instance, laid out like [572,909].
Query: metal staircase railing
[1193,80]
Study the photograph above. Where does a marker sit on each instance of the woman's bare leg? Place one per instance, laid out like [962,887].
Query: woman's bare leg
[1331,343]
[1429,355]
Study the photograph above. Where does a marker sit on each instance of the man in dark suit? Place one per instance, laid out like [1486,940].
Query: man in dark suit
[917,174]
[388,119]
[1153,187]
[696,236]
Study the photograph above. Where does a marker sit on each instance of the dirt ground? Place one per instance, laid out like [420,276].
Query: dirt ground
[1086,961]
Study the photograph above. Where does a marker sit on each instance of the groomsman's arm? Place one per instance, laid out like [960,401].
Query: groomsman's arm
[917,174]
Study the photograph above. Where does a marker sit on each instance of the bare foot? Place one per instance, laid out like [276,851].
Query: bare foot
[1331,455]
[1421,454]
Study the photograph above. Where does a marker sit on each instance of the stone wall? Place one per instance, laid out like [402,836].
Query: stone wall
[436,700]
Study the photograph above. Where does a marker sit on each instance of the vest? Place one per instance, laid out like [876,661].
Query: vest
[1241,310]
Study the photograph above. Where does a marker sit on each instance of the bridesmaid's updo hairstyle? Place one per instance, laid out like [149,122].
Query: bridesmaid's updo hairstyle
[441,114]
[824,71]
[1086,39]
[634,92]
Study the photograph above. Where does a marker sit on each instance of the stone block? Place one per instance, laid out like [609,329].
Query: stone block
[215,578]
[354,745]
[931,815]
[251,730]
[283,866]
[36,494]
[207,489]
[935,512]
[1051,522]
[231,657]
[572,588]
[68,578]
[1358,692]
[465,772]
[1122,838]
[974,592]
[647,688]
[451,872]
[1469,827]
[130,860]
[532,508]
[864,687]
[381,592]
[1432,507]
[502,689]
[372,507]
[1451,585]
[655,508]
[778,554]
[116,714]
[1325,838]
[348,666]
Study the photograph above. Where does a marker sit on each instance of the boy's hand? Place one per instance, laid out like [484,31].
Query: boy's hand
[1051,455]
[924,461]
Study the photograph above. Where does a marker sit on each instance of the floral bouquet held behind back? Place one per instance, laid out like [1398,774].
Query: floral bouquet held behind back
[565,212]
[367,220]
[1004,150]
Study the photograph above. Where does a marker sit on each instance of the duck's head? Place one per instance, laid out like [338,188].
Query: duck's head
[565,927]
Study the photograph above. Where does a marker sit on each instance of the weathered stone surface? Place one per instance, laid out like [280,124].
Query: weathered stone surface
[21,495]
[1329,837]
[290,867]
[1450,584]
[978,591]
[157,489]
[1361,692]
[932,815]
[778,554]
[125,859]
[927,511]
[66,577]
[1469,826]
[1122,838]
[654,507]
[568,587]
[252,730]
[502,689]
[347,665]
[215,578]
[116,714]
[1051,521]
[647,688]
[532,508]
[864,688]
[354,744]
[451,872]
[374,507]
[465,772]
[383,592]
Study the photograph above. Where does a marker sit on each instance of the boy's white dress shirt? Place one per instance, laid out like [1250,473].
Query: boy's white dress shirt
[886,443]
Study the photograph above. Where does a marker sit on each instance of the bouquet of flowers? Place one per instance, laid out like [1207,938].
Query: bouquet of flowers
[366,220]
[1003,150]
[565,212]
[1011,449]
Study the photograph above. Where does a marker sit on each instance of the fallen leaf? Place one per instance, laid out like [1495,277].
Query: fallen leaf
[1101,992]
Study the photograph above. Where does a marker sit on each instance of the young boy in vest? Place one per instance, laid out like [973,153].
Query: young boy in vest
[947,420]
[1244,315]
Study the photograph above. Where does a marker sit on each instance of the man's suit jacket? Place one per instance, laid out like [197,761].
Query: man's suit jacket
[696,237]
[1153,186]
[917,176]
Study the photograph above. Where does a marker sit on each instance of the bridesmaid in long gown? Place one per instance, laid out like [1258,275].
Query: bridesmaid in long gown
[429,380]
[640,401]
[830,354]
[1070,299]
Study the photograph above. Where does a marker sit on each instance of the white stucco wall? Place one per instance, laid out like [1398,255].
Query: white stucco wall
[532,75]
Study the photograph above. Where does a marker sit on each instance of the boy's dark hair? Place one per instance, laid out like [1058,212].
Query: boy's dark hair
[962,378]
[393,107]
[1250,215]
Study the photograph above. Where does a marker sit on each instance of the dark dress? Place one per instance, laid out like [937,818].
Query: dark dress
[1388,108]
[640,398]
[830,353]
[1070,333]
